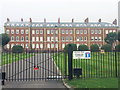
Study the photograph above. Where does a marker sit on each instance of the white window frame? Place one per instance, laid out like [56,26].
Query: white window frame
[66,31]
[81,38]
[100,38]
[8,46]
[48,38]
[37,45]
[56,38]
[99,31]
[63,31]
[52,45]
[33,31]
[41,31]
[96,31]
[21,38]
[56,45]
[67,38]
[7,31]
[48,31]
[26,38]
[26,45]
[52,32]
[85,31]
[70,31]
[22,31]
[37,31]
[33,39]
[17,38]
[96,38]
[92,38]
[63,38]
[17,31]
[56,31]
[71,38]
[52,38]
[77,31]
[37,38]
[63,45]
[92,31]
[26,31]
[106,31]
[81,31]
[85,38]
[12,45]
[41,45]
[48,45]
[22,45]
[41,38]
[77,38]
[12,39]
[12,31]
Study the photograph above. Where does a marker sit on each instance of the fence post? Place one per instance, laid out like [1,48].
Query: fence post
[70,76]
[115,63]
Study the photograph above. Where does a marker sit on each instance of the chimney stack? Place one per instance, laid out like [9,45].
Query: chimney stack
[86,20]
[99,20]
[72,20]
[8,20]
[30,20]
[58,20]
[21,19]
[115,22]
[44,20]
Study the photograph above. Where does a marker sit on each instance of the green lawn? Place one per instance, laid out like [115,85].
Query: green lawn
[100,65]
[12,57]
[94,83]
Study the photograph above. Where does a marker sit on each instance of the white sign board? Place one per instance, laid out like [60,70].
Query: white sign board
[81,55]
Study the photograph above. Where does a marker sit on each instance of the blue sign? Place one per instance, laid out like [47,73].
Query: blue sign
[87,55]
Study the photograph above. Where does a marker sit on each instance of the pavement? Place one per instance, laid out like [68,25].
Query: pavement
[23,70]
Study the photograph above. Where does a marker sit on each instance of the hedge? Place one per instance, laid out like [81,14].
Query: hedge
[106,48]
[17,49]
[83,48]
[94,48]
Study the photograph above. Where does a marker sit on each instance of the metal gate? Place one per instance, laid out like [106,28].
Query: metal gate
[34,65]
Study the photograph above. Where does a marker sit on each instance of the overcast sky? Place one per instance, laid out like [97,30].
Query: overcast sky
[107,10]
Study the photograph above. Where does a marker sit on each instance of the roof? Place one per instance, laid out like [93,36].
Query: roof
[62,24]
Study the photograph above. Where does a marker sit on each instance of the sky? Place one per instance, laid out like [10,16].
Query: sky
[107,10]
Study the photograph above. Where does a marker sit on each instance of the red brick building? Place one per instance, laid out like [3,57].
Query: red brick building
[57,35]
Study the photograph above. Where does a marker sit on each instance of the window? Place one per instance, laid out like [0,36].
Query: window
[99,45]
[95,31]
[41,38]
[99,31]
[114,30]
[26,38]
[22,31]
[99,38]
[106,31]
[70,38]
[85,31]
[70,31]
[17,31]
[33,38]
[63,38]
[85,43]
[56,38]
[33,31]
[81,31]
[77,45]
[81,38]
[52,38]
[92,38]
[95,38]
[48,31]
[56,31]
[56,45]
[33,45]
[63,32]
[26,45]
[41,45]
[12,31]
[26,31]
[66,31]
[22,38]
[41,31]
[7,45]
[12,45]
[66,38]
[63,45]
[48,38]
[51,31]
[7,31]
[48,45]
[12,38]
[52,45]
[92,31]
[110,31]
[37,45]
[37,31]
[37,38]
[85,38]
[22,45]
[17,38]
[77,38]
[77,31]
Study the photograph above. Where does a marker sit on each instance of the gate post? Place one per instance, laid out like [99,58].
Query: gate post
[70,76]
[115,63]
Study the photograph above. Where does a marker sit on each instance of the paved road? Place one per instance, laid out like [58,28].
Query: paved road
[23,74]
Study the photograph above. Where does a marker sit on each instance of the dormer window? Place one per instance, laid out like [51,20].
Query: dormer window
[91,24]
[48,25]
[17,24]
[41,25]
[51,24]
[95,24]
[12,24]
[106,25]
[77,25]
[22,25]
[33,25]
[26,24]
[37,25]
[66,24]
[62,25]
[70,25]
[7,24]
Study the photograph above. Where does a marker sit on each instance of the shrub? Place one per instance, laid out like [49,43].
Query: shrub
[117,48]
[17,49]
[106,48]
[83,48]
[94,48]
[74,47]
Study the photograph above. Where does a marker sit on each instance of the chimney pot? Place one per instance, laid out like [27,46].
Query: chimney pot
[30,20]
[21,19]
[72,20]
[58,20]
[8,19]
[99,20]
[44,20]
[86,20]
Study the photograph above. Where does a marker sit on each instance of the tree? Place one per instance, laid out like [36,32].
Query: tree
[74,47]
[119,36]
[5,39]
[106,48]
[83,48]
[94,48]
[111,38]
[17,49]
